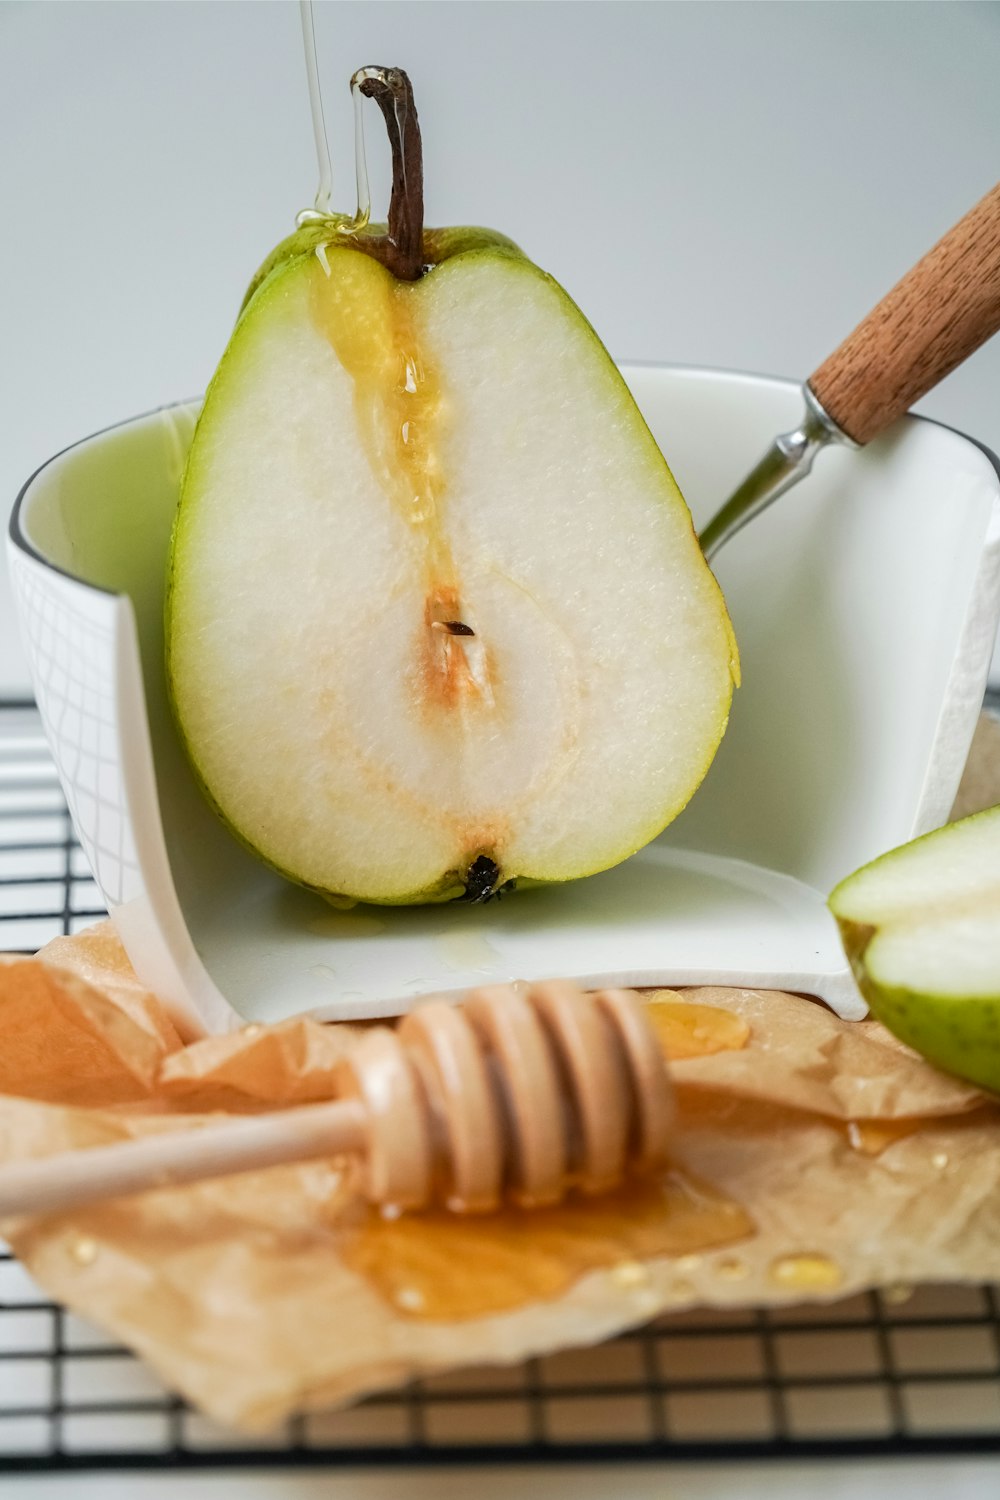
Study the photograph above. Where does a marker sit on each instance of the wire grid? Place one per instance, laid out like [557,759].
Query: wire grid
[899,1372]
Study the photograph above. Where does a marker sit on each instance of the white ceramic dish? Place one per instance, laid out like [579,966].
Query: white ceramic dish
[865,605]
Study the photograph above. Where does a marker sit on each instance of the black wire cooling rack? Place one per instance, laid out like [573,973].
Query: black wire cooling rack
[900,1372]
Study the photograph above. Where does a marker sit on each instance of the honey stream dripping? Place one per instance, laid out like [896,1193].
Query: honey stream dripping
[443,1267]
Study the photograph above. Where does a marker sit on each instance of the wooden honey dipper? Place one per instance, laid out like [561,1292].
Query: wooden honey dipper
[518,1093]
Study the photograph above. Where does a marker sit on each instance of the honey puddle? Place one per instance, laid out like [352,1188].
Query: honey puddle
[347,924]
[685,1030]
[443,1267]
[468,948]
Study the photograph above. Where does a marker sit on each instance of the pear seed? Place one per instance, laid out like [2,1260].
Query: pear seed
[453,627]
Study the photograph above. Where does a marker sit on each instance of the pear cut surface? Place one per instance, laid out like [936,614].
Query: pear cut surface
[921,926]
[435,598]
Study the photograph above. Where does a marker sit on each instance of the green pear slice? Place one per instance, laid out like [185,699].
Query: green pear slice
[921,926]
[437,616]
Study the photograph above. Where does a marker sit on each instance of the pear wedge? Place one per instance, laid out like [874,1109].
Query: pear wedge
[437,620]
[921,927]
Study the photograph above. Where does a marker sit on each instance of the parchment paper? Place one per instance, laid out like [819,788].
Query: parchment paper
[849,1163]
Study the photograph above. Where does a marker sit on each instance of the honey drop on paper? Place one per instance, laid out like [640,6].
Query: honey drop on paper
[806,1273]
[83,1250]
[689,1263]
[630,1273]
[872,1137]
[732,1269]
[897,1294]
[410,1299]
[692,1030]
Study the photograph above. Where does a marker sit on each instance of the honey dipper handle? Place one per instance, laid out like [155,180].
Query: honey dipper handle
[71,1179]
[932,320]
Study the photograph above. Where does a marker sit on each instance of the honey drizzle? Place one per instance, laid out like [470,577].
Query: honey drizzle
[368,319]
[445,1267]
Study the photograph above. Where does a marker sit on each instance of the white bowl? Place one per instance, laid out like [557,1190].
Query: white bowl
[865,604]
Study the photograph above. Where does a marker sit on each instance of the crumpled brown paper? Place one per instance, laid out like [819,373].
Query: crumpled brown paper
[818,1158]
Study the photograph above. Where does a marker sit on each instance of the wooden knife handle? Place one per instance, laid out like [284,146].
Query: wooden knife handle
[932,320]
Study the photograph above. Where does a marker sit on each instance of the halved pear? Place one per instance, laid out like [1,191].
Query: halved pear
[921,927]
[438,620]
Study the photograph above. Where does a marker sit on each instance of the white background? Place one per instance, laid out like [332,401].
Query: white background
[924,1479]
[722,184]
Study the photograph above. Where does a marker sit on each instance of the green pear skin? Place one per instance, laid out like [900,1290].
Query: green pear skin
[921,929]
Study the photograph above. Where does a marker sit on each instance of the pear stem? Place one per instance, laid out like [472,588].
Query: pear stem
[401,250]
